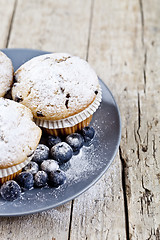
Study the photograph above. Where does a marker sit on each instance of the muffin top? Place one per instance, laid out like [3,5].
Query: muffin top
[55,86]
[6,74]
[19,135]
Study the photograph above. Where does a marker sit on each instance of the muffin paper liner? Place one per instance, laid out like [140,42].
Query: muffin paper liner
[72,120]
[11,170]
[66,131]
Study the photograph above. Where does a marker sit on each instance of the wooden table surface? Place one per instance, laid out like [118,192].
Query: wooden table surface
[121,40]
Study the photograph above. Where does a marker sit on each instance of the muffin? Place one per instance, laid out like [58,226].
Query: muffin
[61,90]
[6,74]
[19,137]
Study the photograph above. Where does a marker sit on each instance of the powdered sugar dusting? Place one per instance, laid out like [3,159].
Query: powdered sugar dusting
[82,164]
[19,135]
[49,165]
[6,74]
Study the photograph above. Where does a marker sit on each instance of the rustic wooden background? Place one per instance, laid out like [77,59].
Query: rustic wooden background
[121,40]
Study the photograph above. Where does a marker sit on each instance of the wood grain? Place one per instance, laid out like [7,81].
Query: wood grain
[61,26]
[55,27]
[6,17]
[99,213]
[144,206]
[121,40]
[128,45]
[52,224]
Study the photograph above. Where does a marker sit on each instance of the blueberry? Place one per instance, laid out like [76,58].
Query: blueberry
[49,165]
[40,179]
[41,153]
[88,133]
[10,190]
[57,178]
[31,167]
[75,140]
[25,180]
[52,140]
[61,152]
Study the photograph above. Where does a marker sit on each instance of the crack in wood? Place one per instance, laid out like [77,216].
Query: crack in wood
[137,143]
[144,69]
[124,175]
[142,20]
[145,144]
[90,26]
[154,233]
[147,198]
[154,149]
[11,23]
[143,44]
[139,116]
[70,222]
[137,135]
[126,134]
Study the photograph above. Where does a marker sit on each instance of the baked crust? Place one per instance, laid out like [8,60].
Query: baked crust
[19,135]
[6,74]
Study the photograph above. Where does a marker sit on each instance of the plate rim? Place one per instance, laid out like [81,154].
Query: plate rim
[97,178]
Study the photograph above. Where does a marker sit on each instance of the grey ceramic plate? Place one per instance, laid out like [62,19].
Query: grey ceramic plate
[85,168]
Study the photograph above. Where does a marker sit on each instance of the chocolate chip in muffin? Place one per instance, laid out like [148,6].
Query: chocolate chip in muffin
[14,79]
[39,114]
[66,103]
[67,100]
[67,95]
[62,89]
[18,98]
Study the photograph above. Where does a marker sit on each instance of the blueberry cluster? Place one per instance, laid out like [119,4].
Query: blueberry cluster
[44,169]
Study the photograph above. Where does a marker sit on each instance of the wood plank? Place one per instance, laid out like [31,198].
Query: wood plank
[49,225]
[99,213]
[144,206]
[125,41]
[127,44]
[6,13]
[52,26]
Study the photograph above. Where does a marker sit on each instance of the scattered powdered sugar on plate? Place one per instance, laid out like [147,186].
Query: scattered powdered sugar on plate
[83,164]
